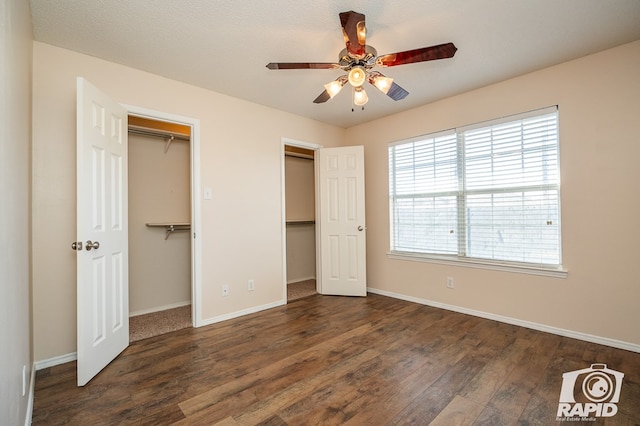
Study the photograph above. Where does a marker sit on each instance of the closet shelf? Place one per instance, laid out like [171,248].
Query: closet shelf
[171,227]
[300,222]
[167,136]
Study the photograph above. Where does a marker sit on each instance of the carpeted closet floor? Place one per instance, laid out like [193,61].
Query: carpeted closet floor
[161,322]
[301,289]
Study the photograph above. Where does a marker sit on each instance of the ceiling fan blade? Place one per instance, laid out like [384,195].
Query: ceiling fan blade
[322,97]
[441,51]
[354,32]
[396,92]
[301,65]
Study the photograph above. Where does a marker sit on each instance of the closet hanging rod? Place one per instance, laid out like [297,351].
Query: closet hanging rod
[171,227]
[298,155]
[158,134]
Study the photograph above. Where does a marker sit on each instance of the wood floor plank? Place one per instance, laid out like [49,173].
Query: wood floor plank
[426,406]
[391,401]
[493,375]
[298,366]
[386,332]
[514,394]
[336,360]
[543,404]
[460,411]
[271,406]
[424,360]
[492,416]
[227,421]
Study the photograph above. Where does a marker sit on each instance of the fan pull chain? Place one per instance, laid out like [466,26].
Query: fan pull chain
[353,92]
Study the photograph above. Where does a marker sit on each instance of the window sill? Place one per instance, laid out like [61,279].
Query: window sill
[468,263]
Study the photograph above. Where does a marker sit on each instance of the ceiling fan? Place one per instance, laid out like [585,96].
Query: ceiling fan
[358,59]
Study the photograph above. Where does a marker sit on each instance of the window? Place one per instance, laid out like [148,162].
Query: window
[488,192]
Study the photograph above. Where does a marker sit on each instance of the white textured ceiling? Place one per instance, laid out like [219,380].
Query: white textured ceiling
[224,45]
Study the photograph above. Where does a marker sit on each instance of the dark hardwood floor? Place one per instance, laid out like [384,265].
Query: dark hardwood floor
[337,360]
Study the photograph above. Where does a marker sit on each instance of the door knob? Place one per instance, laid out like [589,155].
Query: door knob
[76,245]
[360,228]
[92,245]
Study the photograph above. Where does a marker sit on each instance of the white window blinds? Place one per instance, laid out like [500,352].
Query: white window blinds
[488,191]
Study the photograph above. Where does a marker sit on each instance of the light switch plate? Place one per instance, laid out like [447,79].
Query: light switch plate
[208,193]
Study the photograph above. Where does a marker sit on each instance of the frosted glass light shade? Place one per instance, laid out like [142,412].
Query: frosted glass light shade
[383,84]
[360,96]
[357,76]
[334,87]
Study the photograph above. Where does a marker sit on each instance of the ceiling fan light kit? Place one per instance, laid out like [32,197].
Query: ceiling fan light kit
[357,75]
[380,81]
[334,87]
[358,60]
[360,97]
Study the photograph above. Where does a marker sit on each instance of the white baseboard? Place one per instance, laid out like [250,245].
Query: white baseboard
[62,359]
[297,280]
[237,314]
[514,321]
[159,308]
[39,365]
[56,360]
[32,389]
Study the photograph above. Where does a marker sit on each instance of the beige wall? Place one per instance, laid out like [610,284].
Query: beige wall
[599,115]
[300,206]
[300,188]
[15,187]
[301,252]
[159,192]
[240,159]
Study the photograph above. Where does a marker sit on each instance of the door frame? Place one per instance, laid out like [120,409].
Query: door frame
[195,172]
[313,147]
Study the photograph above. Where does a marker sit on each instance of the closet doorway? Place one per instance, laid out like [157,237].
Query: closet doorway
[299,185]
[160,243]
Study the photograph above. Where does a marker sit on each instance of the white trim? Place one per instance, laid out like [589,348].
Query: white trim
[56,360]
[300,144]
[196,218]
[297,280]
[478,264]
[196,223]
[514,321]
[159,308]
[283,220]
[62,359]
[32,389]
[243,312]
[283,208]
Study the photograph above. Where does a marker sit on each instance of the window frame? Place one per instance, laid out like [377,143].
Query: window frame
[460,258]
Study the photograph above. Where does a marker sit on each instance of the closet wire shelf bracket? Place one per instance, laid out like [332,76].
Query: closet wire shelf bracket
[170,227]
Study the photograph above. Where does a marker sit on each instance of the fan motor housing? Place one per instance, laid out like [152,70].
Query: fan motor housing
[367,61]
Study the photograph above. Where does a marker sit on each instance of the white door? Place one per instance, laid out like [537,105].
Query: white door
[341,230]
[102,231]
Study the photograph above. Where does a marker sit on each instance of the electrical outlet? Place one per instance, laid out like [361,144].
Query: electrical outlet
[225,290]
[251,285]
[449,282]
